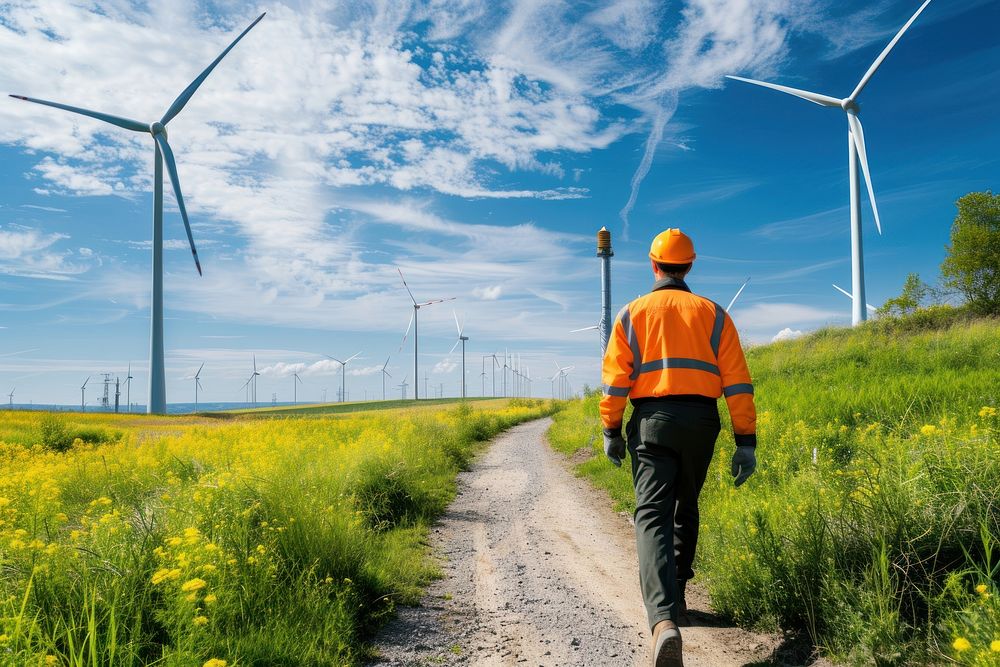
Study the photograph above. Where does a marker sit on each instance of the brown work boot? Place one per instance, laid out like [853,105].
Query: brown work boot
[667,645]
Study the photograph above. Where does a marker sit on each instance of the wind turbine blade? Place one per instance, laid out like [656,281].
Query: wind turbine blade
[407,333]
[558,373]
[334,359]
[168,157]
[255,362]
[183,98]
[352,358]
[844,292]
[386,363]
[199,370]
[872,308]
[433,301]
[591,328]
[86,381]
[457,325]
[815,98]
[407,287]
[859,141]
[387,373]
[454,346]
[885,52]
[126,123]
[742,287]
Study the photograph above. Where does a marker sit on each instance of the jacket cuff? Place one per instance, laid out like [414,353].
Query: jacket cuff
[745,440]
[615,432]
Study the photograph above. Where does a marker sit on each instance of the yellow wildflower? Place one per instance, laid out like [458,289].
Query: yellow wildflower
[193,585]
[961,644]
[215,662]
[928,429]
[4,639]
[981,588]
[210,598]
[50,660]
[200,620]
[988,411]
[163,574]
[995,645]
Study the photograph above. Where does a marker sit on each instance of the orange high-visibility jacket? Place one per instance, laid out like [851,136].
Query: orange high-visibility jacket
[673,342]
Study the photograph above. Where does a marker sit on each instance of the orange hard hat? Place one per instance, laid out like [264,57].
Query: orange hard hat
[672,246]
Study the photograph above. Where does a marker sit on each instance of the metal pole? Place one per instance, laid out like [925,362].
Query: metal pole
[416,375]
[157,376]
[605,252]
[463,367]
[858,310]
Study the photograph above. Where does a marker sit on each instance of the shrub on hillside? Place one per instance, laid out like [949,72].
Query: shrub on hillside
[973,263]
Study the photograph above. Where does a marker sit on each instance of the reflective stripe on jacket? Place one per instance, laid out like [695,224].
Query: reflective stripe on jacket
[672,342]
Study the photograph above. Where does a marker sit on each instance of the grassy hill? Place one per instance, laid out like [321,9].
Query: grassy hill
[872,519]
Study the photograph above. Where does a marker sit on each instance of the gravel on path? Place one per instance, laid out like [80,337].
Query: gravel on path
[537,570]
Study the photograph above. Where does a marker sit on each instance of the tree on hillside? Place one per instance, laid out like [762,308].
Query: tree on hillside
[912,297]
[973,262]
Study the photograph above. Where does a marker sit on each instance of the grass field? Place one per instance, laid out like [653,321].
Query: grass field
[872,520]
[128,540]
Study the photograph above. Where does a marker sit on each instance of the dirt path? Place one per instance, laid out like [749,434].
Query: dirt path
[538,571]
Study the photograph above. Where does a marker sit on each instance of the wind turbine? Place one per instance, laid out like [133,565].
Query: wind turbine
[856,153]
[157,377]
[385,374]
[483,374]
[128,387]
[246,385]
[197,385]
[740,291]
[403,386]
[253,377]
[848,295]
[295,387]
[343,374]
[11,397]
[83,395]
[461,339]
[413,323]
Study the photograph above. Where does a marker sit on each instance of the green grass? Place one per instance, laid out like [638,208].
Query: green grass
[255,541]
[324,409]
[876,549]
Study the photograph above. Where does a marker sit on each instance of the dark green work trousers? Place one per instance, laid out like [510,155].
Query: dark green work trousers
[670,444]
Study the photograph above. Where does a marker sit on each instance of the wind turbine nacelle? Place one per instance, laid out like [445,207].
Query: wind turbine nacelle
[849,105]
[156,128]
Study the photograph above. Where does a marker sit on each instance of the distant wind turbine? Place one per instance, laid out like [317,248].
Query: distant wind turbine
[856,153]
[295,387]
[848,295]
[83,395]
[253,378]
[413,323]
[197,385]
[11,397]
[343,374]
[157,377]
[385,374]
[128,387]
[403,386]
[740,291]
[461,339]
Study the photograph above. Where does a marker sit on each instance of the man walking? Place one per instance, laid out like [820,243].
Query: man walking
[673,353]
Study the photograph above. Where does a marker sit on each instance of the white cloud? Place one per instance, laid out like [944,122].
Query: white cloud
[488,293]
[25,251]
[444,366]
[787,334]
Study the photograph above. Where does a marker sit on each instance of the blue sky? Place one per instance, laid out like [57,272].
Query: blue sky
[477,145]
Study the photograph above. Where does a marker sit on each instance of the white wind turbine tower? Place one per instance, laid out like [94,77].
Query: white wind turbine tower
[157,378]
[343,374]
[413,323]
[740,291]
[253,378]
[83,395]
[295,387]
[197,385]
[856,153]
[403,386]
[385,374]
[868,306]
[128,387]
[11,397]
[461,339]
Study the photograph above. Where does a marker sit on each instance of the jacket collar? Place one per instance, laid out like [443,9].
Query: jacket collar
[671,283]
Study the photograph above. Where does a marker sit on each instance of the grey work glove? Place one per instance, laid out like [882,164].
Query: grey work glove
[614,446]
[744,463]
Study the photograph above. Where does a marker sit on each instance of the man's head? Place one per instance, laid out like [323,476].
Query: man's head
[671,254]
